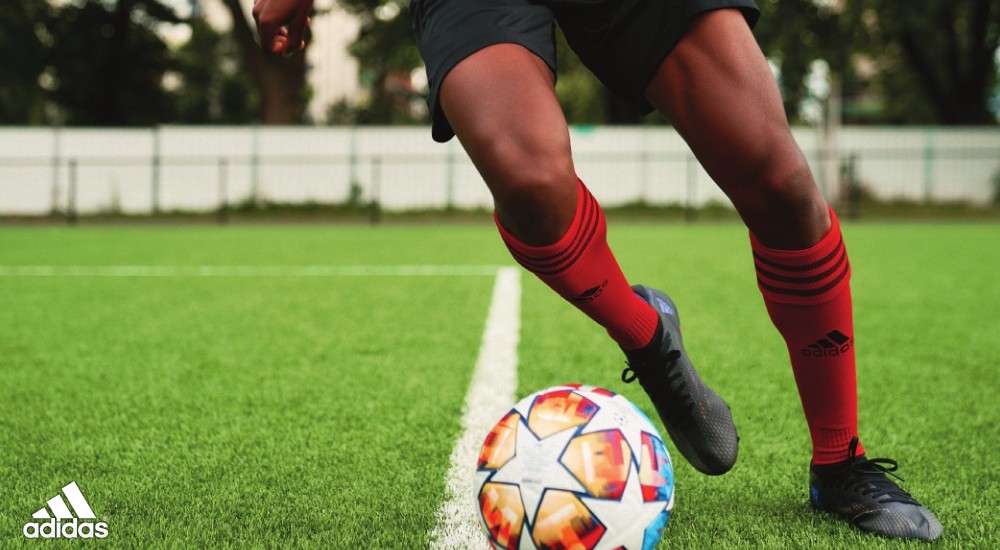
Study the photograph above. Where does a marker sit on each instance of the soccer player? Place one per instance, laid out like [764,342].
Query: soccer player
[491,68]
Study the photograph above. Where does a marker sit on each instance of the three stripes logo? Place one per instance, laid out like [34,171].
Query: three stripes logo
[62,521]
[834,343]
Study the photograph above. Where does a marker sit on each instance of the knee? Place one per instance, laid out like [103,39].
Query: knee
[541,184]
[526,174]
[788,184]
[537,201]
[783,207]
[534,190]
[780,183]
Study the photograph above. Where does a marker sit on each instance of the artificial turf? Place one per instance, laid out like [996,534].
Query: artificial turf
[281,409]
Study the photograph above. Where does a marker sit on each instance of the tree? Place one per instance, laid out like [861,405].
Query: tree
[23,36]
[108,63]
[387,54]
[105,63]
[214,85]
[280,81]
[794,34]
[930,62]
[943,50]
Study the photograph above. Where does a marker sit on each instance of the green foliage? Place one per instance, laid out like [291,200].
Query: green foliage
[214,85]
[108,63]
[387,54]
[105,63]
[937,57]
[921,62]
[868,46]
[794,34]
[24,37]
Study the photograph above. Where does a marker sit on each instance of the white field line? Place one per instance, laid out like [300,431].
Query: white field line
[246,270]
[491,393]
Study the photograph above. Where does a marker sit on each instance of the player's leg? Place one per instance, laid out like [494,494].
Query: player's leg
[491,83]
[502,106]
[717,89]
[501,103]
[489,66]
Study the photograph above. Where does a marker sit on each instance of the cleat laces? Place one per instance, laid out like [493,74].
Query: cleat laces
[685,402]
[868,477]
[631,372]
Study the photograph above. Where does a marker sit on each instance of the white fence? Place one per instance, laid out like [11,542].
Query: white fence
[44,170]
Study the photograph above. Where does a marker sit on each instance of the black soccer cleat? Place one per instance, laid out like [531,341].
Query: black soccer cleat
[858,491]
[698,420]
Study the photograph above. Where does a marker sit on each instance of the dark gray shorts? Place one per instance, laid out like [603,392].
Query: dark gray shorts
[622,42]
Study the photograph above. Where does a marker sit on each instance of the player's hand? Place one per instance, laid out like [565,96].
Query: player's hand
[282,24]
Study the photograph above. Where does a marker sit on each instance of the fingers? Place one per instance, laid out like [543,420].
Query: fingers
[295,37]
[276,43]
[282,24]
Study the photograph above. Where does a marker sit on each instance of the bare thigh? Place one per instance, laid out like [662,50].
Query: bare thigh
[717,89]
[502,105]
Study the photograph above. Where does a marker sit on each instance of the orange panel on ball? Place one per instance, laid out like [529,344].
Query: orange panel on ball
[500,443]
[556,411]
[503,513]
[600,461]
[564,522]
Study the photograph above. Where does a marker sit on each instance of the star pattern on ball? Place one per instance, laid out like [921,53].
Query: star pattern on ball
[625,519]
[617,413]
[535,467]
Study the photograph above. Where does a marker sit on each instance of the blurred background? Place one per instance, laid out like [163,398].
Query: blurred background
[116,108]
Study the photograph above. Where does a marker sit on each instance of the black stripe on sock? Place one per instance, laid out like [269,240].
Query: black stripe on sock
[585,209]
[802,280]
[558,263]
[796,268]
[809,292]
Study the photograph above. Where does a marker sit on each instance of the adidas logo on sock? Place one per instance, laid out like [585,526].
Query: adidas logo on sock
[591,294]
[835,343]
[56,528]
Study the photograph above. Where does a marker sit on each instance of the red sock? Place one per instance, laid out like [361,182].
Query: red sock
[808,296]
[581,268]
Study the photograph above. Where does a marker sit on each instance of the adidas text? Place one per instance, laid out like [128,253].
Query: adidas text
[69,529]
[66,518]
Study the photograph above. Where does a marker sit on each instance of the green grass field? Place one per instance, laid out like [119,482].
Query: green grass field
[283,407]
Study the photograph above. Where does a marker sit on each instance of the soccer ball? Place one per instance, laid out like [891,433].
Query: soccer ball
[574,467]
